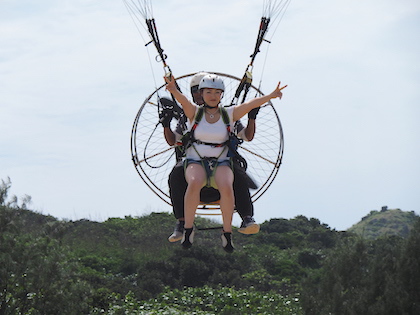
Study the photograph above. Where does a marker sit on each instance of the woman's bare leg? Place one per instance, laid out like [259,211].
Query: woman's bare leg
[224,181]
[195,176]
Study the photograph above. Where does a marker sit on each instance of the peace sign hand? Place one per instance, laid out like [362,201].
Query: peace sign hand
[170,83]
[277,92]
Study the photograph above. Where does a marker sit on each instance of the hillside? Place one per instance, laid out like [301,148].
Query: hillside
[127,266]
[385,222]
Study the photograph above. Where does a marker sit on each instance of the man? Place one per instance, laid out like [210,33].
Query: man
[177,182]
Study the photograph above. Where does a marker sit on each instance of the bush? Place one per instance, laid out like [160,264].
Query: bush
[207,300]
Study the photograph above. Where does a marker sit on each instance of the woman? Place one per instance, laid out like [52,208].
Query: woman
[206,159]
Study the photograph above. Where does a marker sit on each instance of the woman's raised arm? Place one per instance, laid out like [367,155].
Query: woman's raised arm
[187,106]
[242,109]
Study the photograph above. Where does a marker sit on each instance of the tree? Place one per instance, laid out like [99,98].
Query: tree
[13,202]
[4,190]
[409,270]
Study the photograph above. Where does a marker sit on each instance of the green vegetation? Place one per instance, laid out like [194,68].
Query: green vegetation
[126,266]
[385,222]
[207,300]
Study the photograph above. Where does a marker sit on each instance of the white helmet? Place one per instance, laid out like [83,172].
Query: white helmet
[212,81]
[196,79]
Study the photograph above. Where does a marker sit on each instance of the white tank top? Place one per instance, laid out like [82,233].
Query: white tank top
[211,133]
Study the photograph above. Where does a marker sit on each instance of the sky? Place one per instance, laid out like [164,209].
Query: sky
[73,75]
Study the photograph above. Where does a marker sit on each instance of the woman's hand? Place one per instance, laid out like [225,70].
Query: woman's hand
[277,92]
[170,83]
[187,106]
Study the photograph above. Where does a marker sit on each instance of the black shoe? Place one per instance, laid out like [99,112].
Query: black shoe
[227,242]
[178,232]
[249,226]
[188,238]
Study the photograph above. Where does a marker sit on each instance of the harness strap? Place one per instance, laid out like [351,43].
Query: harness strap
[214,145]
[225,118]
[189,139]
[198,117]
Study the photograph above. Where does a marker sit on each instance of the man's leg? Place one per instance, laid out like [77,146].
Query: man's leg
[177,188]
[243,203]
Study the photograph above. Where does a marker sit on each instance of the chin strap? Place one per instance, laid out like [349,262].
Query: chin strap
[208,106]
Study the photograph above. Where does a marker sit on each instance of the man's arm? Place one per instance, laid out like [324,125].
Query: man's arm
[165,118]
[250,129]
[169,135]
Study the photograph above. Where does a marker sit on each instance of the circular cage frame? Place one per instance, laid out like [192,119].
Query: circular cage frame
[153,158]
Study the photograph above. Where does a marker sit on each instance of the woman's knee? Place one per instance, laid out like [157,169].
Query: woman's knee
[224,177]
[225,188]
[195,176]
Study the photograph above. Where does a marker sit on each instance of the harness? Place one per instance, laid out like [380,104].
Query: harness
[209,163]
[188,139]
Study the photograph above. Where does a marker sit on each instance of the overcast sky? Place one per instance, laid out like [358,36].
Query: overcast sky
[73,75]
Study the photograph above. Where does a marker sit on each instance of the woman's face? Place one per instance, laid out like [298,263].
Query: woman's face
[212,97]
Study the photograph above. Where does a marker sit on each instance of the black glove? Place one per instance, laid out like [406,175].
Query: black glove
[166,113]
[253,113]
[165,117]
